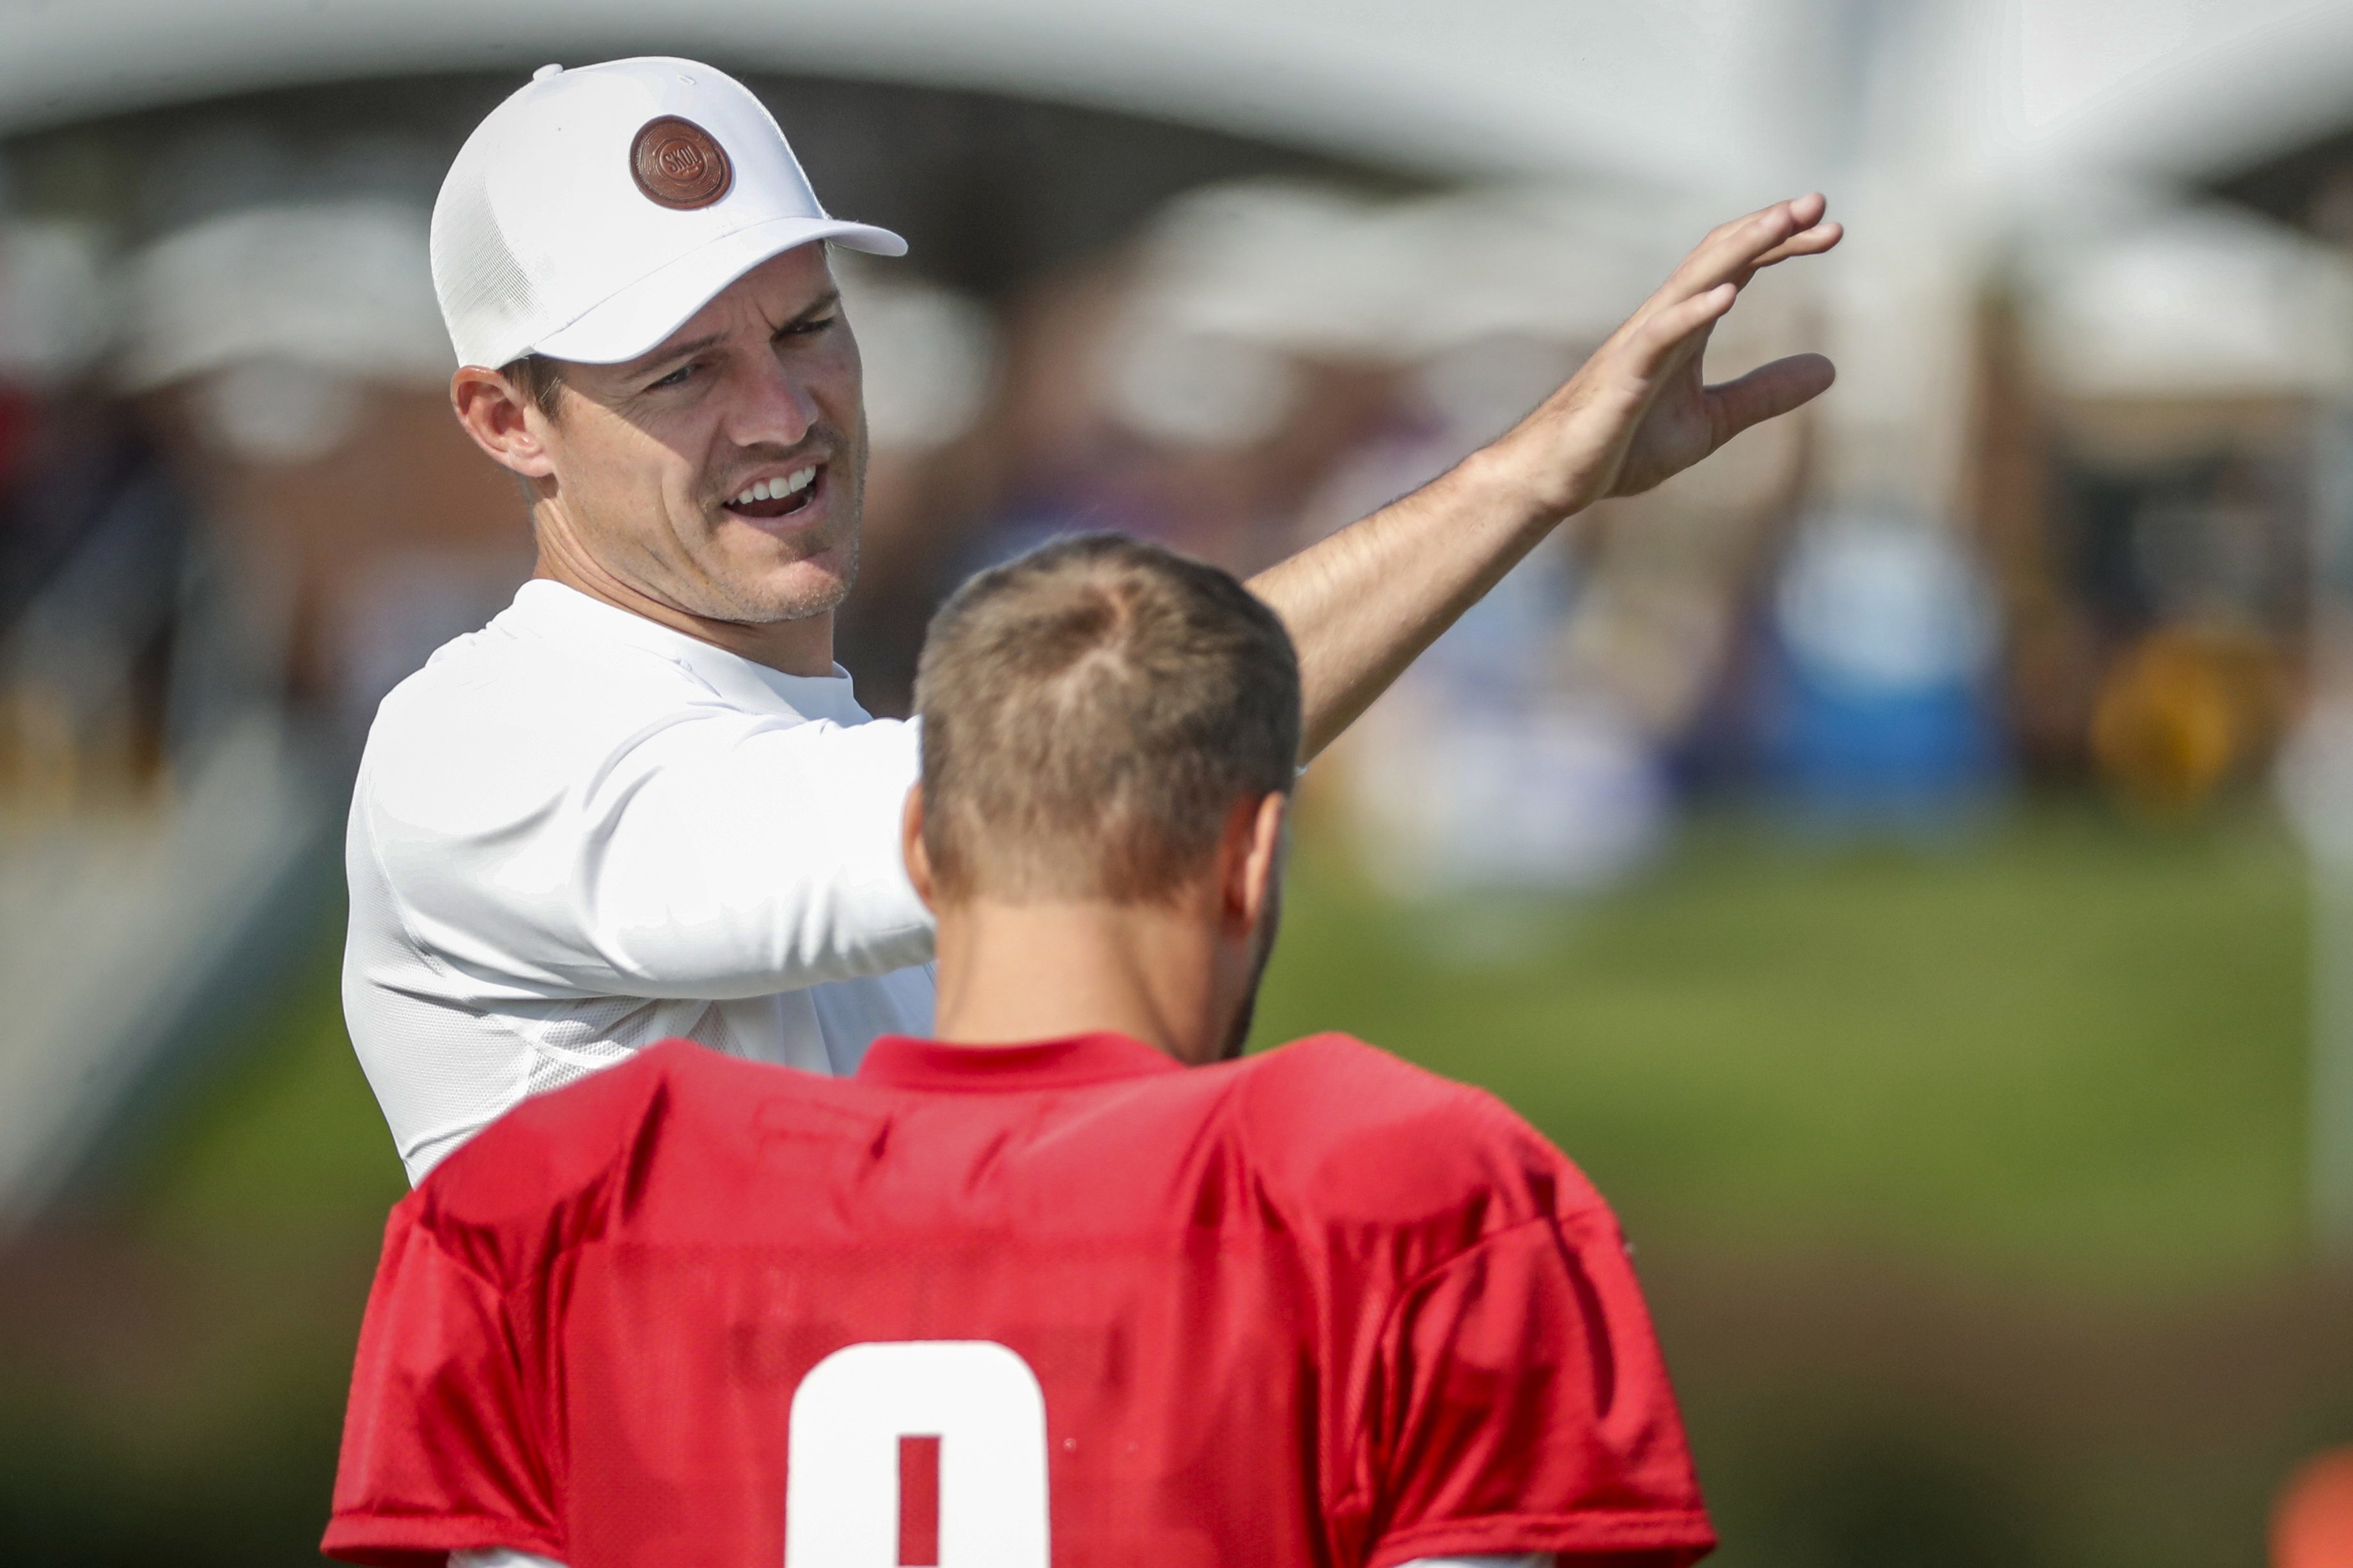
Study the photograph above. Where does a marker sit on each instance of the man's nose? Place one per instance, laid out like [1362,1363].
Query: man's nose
[771,406]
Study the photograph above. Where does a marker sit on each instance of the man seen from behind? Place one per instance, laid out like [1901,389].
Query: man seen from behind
[1070,1282]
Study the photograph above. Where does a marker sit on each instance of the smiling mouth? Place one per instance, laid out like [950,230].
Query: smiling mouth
[770,499]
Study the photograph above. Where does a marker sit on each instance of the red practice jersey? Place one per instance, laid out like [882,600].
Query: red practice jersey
[1068,1303]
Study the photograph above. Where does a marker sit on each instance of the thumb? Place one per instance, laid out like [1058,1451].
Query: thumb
[1766,393]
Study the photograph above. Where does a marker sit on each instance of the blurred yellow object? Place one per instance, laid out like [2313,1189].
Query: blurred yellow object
[2182,712]
[2312,1522]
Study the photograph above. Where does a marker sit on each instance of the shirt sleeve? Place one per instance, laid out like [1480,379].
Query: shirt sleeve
[445,1448]
[1521,1405]
[709,853]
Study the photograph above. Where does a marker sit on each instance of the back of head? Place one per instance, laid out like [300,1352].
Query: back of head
[1092,713]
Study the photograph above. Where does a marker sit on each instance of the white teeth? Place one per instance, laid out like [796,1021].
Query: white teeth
[770,490]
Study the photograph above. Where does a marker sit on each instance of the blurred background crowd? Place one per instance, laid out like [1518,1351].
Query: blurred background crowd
[1909,858]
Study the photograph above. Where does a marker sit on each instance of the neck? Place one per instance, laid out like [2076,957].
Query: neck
[1012,974]
[802,647]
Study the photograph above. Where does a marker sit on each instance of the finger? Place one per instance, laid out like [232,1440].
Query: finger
[1794,212]
[1766,393]
[1672,328]
[1732,251]
[1812,242]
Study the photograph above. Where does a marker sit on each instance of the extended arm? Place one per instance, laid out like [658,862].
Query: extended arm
[1364,602]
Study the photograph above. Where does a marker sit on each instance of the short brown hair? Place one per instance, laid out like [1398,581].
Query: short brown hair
[1092,714]
[541,379]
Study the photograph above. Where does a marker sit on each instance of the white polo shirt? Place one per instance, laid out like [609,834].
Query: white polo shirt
[576,832]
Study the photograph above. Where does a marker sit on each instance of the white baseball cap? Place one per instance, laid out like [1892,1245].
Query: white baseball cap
[596,210]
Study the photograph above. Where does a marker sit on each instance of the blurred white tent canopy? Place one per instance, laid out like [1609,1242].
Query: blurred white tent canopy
[1728,96]
[1930,122]
[1322,272]
[1475,85]
[1565,266]
[2169,89]
[1298,266]
[342,286]
[930,354]
[2202,302]
[282,313]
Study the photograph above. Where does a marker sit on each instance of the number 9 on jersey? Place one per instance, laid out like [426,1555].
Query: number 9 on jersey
[982,1405]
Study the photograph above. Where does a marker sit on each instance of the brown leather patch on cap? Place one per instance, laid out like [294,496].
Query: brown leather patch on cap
[676,163]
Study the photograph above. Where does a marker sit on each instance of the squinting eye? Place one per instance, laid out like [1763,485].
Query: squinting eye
[803,329]
[673,378]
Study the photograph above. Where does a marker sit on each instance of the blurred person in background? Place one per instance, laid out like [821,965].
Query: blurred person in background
[1489,769]
[96,538]
[932,368]
[288,351]
[1032,1290]
[643,802]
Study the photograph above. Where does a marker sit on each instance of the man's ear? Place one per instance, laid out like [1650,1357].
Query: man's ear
[910,846]
[1256,831]
[502,420]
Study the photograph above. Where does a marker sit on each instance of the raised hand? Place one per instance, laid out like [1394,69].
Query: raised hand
[1363,602]
[1637,412]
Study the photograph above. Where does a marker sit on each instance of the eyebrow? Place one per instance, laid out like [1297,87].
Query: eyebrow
[825,301]
[687,350]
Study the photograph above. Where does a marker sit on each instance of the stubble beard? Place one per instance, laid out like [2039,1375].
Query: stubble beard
[762,602]
[768,605]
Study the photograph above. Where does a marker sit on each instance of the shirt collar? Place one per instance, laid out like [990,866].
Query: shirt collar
[902,1063]
[559,611]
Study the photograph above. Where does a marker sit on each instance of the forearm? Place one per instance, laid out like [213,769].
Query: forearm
[1364,604]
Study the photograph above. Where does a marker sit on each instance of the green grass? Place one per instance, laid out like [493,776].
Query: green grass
[176,1349]
[2064,1056]
[2070,1047]
[284,1141]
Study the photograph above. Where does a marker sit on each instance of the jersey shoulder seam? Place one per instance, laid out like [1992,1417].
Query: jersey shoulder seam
[1407,1289]
[602,1177]
[429,1223]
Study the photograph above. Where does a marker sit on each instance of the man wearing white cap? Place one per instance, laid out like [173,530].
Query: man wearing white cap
[642,801]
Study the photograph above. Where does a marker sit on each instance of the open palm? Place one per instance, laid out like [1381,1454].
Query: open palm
[1638,411]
